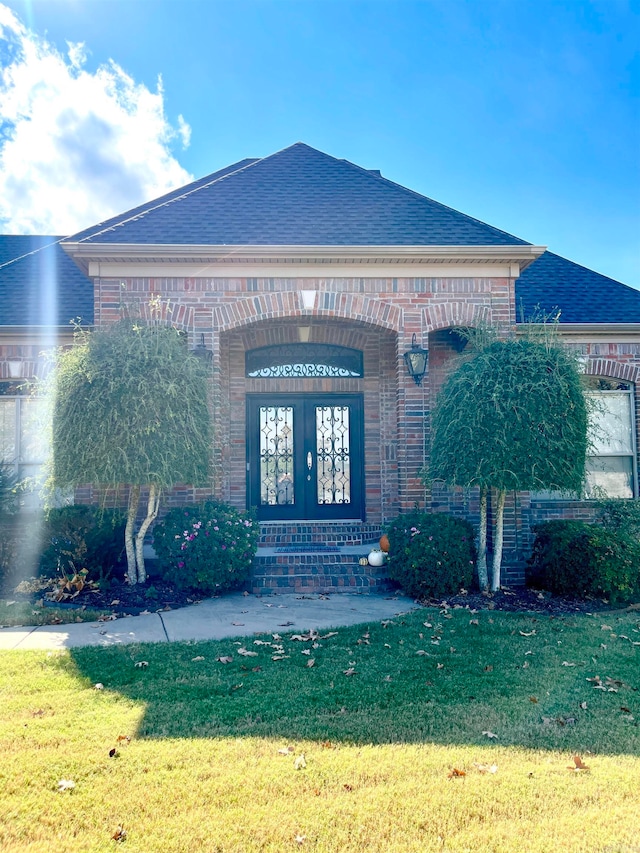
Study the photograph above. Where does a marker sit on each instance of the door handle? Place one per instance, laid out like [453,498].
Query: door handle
[309,460]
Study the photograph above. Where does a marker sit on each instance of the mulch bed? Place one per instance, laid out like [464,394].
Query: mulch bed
[123,599]
[522,599]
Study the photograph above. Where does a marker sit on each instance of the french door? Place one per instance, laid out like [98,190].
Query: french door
[305,456]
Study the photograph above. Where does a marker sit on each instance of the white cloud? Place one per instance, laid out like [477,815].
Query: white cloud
[76,147]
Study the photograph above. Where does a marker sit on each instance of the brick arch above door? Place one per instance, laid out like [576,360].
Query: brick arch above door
[307,304]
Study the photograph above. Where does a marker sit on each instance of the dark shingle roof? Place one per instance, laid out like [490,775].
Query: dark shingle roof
[583,296]
[298,196]
[44,287]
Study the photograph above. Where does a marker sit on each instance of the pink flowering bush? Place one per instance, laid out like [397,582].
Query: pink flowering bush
[431,555]
[206,547]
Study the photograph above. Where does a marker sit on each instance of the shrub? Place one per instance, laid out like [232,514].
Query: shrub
[576,558]
[206,547]
[83,537]
[431,555]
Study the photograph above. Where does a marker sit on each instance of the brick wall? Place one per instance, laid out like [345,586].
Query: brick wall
[376,315]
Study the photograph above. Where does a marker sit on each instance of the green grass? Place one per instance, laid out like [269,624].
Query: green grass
[14,613]
[212,760]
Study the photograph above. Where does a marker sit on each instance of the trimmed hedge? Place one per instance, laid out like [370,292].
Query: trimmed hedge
[576,558]
[431,555]
[206,547]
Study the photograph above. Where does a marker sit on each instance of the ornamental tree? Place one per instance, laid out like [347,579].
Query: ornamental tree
[512,416]
[130,410]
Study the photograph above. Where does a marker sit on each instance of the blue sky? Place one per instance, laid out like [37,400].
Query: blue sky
[522,113]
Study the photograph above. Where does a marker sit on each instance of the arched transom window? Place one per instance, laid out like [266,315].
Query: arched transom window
[303,360]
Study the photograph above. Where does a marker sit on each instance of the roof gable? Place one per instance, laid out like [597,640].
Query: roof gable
[582,295]
[296,197]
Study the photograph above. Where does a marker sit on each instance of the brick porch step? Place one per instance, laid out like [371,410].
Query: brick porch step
[330,569]
[324,533]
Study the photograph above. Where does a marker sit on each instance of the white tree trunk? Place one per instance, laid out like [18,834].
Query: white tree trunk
[499,538]
[152,512]
[132,511]
[483,577]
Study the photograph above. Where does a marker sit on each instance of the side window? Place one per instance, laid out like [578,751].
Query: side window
[24,438]
[611,469]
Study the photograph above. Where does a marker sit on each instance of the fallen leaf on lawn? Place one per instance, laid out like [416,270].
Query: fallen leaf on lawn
[387,678]
[347,787]
[488,668]
[142,664]
[566,663]
[98,686]
[326,636]
[527,633]
[261,643]
[473,622]
[528,653]
[199,657]
[311,662]
[427,624]
[276,637]
[583,705]
[605,628]
[350,671]
[300,839]
[533,699]
[579,764]
[238,686]
[439,666]
[490,734]
[305,652]
[525,665]
[113,753]
[224,659]
[422,652]
[487,768]
[326,744]
[300,762]
[625,709]
[279,657]
[120,834]
[247,654]
[66,784]
[123,739]
[456,774]
[286,750]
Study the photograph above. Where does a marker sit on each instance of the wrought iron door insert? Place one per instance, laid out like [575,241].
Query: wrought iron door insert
[305,456]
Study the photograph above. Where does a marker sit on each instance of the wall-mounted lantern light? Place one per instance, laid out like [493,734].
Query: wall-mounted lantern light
[416,361]
[200,351]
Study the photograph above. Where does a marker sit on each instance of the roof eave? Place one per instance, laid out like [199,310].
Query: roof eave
[592,329]
[83,252]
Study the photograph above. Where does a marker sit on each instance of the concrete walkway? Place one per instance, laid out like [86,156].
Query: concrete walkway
[232,615]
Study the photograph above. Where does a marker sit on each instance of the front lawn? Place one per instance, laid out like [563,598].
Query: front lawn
[440,730]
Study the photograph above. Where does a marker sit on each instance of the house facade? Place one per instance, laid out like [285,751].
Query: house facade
[308,284]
